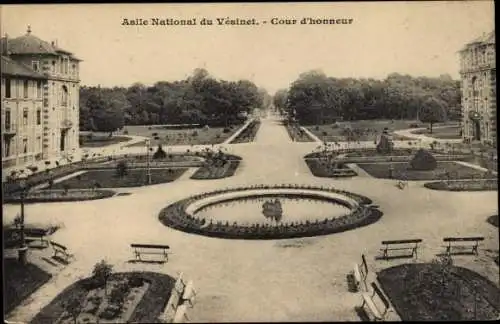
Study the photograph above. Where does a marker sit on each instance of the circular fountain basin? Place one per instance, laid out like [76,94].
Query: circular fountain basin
[270,212]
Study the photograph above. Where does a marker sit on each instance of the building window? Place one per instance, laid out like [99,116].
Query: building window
[6,151]
[25,88]
[64,96]
[25,116]
[39,143]
[7,119]
[35,65]
[25,145]
[39,117]
[7,88]
[39,89]
[53,66]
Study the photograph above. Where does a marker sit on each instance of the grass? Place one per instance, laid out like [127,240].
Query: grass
[403,171]
[192,136]
[213,172]
[450,132]
[464,185]
[147,311]
[248,135]
[107,178]
[319,169]
[371,129]
[99,140]
[20,282]
[424,292]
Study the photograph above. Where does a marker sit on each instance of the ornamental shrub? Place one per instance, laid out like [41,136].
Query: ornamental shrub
[385,145]
[423,161]
[160,153]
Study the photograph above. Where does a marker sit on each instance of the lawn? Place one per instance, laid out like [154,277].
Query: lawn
[248,134]
[20,282]
[369,129]
[433,292]
[451,132]
[99,140]
[403,171]
[297,134]
[192,136]
[147,310]
[107,178]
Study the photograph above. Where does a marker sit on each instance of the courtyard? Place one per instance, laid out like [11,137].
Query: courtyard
[302,279]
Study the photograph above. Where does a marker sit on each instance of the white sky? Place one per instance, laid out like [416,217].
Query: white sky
[416,38]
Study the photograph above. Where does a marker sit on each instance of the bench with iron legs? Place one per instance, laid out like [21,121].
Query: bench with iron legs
[154,249]
[360,272]
[38,235]
[61,249]
[189,293]
[379,312]
[411,245]
[463,242]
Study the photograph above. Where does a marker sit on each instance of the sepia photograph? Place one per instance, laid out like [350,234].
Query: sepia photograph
[249,162]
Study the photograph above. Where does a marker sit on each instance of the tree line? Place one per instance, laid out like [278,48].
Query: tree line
[199,99]
[315,98]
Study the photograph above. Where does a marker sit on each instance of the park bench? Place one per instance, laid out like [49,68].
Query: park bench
[360,273]
[378,311]
[401,245]
[189,293]
[61,249]
[463,242]
[140,249]
[38,234]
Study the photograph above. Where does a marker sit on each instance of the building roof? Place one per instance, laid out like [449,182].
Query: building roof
[30,44]
[11,67]
[485,39]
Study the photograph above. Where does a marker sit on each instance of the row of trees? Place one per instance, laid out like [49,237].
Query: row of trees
[314,98]
[199,99]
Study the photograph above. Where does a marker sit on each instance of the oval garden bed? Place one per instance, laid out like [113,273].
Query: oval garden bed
[438,292]
[325,169]
[41,196]
[178,216]
[464,185]
[128,297]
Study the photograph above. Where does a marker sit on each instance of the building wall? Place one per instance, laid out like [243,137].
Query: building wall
[22,134]
[57,99]
[478,92]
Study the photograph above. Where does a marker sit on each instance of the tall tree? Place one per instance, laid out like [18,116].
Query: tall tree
[432,111]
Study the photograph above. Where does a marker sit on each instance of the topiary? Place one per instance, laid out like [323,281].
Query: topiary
[423,161]
[160,153]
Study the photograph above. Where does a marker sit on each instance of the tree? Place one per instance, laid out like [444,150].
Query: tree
[73,307]
[432,111]
[101,273]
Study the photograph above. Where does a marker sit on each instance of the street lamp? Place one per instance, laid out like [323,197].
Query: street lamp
[23,249]
[148,145]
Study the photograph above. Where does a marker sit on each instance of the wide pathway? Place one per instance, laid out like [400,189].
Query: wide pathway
[274,280]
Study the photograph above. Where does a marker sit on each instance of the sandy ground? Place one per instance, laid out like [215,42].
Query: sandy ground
[241,280]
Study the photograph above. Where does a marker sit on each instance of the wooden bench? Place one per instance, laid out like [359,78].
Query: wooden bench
[360,273]
[466,242]
[61,249]
[38,234]
[150,249]
[189,293]
[408,245]
[379,312]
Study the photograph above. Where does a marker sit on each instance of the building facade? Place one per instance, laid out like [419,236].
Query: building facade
[40,101]
[478,84]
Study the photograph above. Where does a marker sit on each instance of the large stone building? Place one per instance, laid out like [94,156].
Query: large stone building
[40,101]
[478,74]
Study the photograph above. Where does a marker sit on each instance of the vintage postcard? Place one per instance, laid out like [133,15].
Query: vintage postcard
[249,162]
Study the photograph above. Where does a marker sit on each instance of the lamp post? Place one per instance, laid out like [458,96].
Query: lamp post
[23,249]
[148,145]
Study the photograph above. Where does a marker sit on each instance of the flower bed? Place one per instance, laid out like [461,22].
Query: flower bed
[434,292]
[145,308]
[464,185]
[209,172]
[296,133]
[58,195]
[175,216]
[323,169]
[248,134]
